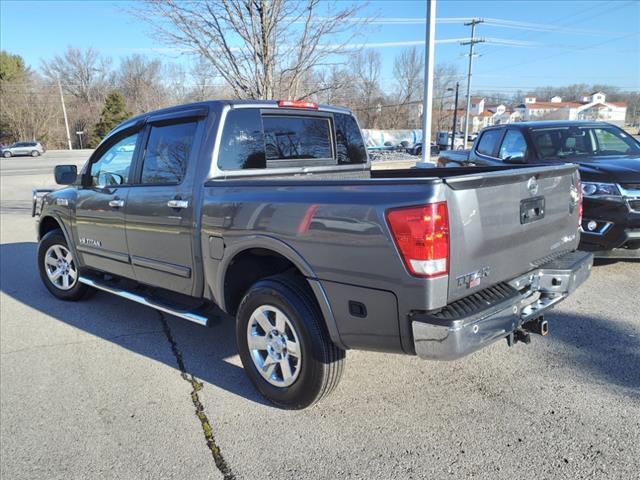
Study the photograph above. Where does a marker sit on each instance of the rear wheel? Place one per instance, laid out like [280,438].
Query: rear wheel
[58,269]
[284,345]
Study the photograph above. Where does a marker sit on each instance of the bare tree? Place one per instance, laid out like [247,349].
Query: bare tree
[258,47]
[408,72]
[141,82]
[444,82]
[84,74]
[205,84]
[27,109]
[366,68]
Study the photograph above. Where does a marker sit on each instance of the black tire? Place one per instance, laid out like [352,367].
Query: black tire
[78,290]
[6,154]
[35,153]
[322,362]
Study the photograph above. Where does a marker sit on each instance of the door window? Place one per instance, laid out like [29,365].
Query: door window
[167,153]
[113,167]
[514,145]
[488,142]
[609,143]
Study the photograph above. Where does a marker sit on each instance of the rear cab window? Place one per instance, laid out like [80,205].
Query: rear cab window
[273,139]
[488,142]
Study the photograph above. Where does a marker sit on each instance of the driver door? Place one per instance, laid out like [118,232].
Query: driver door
[100,229]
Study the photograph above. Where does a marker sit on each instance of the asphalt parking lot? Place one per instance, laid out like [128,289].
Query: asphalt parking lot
[110,389]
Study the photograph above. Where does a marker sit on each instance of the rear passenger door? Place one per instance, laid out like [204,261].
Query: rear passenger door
[159,218]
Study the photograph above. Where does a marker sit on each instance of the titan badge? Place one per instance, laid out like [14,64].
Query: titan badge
[473,279]
[90,242]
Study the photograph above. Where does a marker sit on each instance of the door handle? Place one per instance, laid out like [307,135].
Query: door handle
[178,203]
[116,203]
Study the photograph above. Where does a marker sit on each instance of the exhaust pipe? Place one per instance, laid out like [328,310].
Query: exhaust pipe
[538,325]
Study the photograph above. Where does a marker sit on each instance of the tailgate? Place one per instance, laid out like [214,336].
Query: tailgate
[505,223]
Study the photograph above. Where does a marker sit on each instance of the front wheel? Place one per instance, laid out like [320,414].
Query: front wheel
[284,344]
[35,153]
[58,269]
[6,154]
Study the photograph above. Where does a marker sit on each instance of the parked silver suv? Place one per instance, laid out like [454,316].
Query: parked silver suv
[34,149]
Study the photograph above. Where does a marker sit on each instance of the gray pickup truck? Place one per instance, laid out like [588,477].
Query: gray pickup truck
[269,211]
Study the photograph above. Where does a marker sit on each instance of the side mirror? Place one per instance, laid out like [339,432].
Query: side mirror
[65,174]
[517,158]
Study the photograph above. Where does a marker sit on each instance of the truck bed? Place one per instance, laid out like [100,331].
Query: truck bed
[337,229]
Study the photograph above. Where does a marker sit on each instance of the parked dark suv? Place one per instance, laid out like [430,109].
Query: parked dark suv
[609,160]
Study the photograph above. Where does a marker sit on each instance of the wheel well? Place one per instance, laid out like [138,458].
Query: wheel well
[46,225]
[247,268]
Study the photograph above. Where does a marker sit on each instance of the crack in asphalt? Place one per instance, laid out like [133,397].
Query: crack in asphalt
[196,386]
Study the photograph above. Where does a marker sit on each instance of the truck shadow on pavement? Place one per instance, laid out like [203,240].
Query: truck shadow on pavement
[602,349]
[599,346]
[206,352]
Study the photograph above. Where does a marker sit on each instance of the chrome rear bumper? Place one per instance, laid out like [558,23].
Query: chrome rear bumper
[449,334]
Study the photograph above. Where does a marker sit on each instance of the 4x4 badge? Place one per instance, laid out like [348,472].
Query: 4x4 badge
[532,186]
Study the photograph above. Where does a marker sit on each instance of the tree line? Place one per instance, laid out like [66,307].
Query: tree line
[255,49]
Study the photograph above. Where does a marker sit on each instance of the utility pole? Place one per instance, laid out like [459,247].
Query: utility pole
[455,118]
[427,97]
[64,111]
[471,43]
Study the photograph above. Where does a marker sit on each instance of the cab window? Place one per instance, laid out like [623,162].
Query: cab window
[113,167]
[488,142]
[513,146]
[167,153]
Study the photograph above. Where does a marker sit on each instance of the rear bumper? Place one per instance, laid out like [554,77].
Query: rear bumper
[476,322]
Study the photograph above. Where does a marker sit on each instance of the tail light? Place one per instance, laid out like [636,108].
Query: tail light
[297,104]
[421,235]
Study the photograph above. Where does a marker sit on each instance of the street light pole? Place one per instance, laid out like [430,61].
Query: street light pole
[427,98]
[455,118]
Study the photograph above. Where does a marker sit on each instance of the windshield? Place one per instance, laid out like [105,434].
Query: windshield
[587,141]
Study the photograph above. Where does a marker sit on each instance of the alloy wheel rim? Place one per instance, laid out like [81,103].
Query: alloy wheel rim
[60,267]
[274,346]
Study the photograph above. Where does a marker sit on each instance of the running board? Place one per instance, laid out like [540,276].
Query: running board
[193,317]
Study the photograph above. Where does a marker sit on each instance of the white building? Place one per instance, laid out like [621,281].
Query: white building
[592,106]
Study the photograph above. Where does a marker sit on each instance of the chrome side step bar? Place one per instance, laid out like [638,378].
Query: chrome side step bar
[193,317]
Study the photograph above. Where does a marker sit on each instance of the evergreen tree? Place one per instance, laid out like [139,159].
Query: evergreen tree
[113,113]
[12,67]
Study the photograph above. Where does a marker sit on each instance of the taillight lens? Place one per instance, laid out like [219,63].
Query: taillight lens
[297,104]
[422,237]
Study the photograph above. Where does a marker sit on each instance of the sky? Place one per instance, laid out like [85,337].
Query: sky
[529,43]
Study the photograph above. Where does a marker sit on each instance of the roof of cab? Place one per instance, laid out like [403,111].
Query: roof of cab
[222,103]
